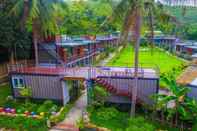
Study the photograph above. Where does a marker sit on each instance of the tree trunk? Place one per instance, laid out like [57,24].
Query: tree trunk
[35,41]
[12,61]
[25,14]
[137,29]
[152,30]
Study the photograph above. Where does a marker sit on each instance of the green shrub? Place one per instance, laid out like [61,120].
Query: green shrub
[61,116]
[23,123]
[109,118]
[99,96]
[107,113]
[139,124]
[47,107]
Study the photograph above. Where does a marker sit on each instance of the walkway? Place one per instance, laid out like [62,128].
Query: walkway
[112,55]
[69,124]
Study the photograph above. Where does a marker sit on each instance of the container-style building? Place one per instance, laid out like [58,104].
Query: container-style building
[62,84]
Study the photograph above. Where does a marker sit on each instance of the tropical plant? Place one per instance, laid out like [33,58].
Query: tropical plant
[131,13]
[11,37]
[26,92]
[175,102]
[40,16]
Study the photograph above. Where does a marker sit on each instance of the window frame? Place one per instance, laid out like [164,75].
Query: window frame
[19,79]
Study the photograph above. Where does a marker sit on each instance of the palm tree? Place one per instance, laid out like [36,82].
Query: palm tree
[131,13]
[39,15]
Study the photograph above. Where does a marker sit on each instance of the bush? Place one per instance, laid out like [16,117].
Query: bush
[99,96]
[139,124]
[60,117]
[23,123]
[109,118]
[47,107]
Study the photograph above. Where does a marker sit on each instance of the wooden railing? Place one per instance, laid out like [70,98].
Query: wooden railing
[4,70]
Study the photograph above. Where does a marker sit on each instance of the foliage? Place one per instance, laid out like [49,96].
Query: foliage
[176,103]
[5,91]
[110,118]
[11,36]
[80,123]
[47,107]
[86,17]
[44,13]
[135,124]
[23,123]
[99,96]
[64,111]
[26,92]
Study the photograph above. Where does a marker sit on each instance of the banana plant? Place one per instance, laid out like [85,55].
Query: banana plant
[175,101]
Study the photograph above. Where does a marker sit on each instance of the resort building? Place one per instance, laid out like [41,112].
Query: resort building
[186,49]
[62,84]
[189,79]
[64,67]
[71,52]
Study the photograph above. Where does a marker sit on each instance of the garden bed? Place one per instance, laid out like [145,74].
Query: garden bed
[28,115]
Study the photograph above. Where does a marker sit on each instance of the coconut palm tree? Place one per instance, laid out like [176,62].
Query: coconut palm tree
[131,12]
[39,16]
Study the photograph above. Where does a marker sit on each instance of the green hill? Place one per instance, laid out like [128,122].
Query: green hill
[190,15]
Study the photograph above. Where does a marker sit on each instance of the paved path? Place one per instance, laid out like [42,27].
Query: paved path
[74,115]
[69,124]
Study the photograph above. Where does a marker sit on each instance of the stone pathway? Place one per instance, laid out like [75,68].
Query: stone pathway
[74,115]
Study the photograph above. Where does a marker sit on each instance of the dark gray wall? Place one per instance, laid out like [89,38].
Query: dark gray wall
[43,87]
[146,88]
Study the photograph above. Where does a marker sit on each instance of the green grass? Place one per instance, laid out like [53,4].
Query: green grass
[158,58]
[5,91]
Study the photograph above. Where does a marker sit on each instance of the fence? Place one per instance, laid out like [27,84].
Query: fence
[4,69]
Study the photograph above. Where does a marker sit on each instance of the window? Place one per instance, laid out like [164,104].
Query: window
[18,82]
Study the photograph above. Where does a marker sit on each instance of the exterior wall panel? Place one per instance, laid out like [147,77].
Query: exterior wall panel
[146,88]
[43,87]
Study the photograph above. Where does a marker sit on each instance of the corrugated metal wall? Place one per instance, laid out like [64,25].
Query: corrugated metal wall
[146,87]
[43,87]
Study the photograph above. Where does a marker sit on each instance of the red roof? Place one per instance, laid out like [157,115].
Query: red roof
[40,70]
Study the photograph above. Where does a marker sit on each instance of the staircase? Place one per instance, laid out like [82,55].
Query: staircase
[51,51]
[110,88]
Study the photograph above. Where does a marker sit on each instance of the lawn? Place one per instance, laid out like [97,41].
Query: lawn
[5,91]
[158,58]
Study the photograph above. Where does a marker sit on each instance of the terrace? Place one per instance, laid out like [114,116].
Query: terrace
[85,72]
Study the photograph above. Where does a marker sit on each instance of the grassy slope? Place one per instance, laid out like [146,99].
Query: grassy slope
[159,58]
